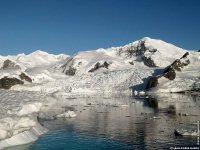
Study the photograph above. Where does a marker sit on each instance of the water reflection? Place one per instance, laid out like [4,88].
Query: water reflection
[146,123]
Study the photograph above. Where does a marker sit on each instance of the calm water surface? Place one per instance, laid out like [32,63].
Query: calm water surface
[122,123]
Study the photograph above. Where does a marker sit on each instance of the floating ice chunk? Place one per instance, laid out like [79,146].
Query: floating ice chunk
[135,92]
[123,105]
[142,93]
[185,133]
[68,114]
[24,137]
[154,117]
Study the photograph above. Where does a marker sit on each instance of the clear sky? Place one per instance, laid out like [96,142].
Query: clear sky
[68,26]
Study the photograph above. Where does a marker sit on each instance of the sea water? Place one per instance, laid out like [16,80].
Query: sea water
[122,123]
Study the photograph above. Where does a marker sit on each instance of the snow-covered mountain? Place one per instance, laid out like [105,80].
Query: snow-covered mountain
[146,52]
[110,70]
[29,68]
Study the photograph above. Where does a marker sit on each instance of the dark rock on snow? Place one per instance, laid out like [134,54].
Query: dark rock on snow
[148,61]
[98,65]
[7,64]
[170,71]
[71,71]
[23,76]
[153,82]
[7,83]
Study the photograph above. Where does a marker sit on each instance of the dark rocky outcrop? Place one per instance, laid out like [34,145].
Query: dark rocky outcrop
[198,50]
[7,83]
[68,68]
[131,62]
[98,65]
[139,52]
[148,61]
[7,64]
[71,71]
[23,76]
[177,65]
[105,64]
[170,71]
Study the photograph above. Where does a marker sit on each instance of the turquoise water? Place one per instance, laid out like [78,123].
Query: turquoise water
[103,126]
[69,140]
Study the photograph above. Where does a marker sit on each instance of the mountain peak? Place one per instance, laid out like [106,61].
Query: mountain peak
[147,38]
[40,52]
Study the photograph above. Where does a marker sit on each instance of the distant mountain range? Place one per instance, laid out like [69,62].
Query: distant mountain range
[144,65]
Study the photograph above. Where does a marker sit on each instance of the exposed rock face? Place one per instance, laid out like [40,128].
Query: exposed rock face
[68,68]
[170,71]
[7,83]
[98,65]
[139,51]
[131,62]
[71,71]
[9,64]
[148,61]
[23,76]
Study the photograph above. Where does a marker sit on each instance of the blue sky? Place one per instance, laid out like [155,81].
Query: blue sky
[68,26]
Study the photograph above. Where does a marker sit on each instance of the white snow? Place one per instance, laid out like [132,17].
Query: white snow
[68,114]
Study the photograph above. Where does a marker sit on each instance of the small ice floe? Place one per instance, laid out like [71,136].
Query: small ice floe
[185,133]
[68,114]
[142,93]
[154,117]
[135,92]
[123,105]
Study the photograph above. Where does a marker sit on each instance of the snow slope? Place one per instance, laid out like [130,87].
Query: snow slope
[187,76]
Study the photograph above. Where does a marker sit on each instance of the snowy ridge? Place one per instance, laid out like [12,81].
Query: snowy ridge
[38,65]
